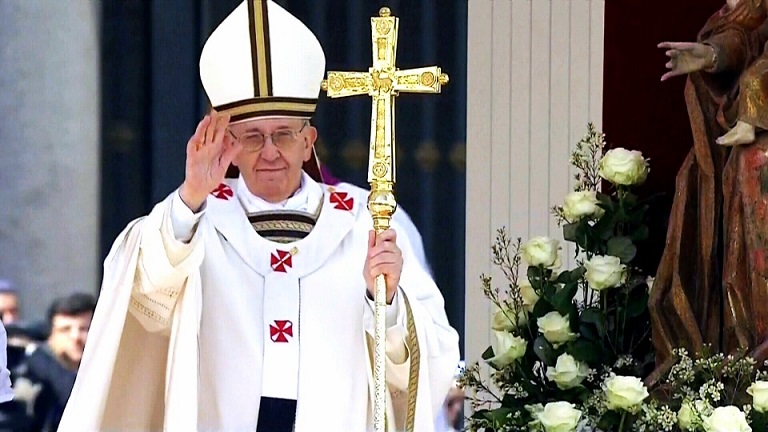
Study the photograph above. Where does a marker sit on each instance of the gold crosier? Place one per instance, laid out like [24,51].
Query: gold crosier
[383,82]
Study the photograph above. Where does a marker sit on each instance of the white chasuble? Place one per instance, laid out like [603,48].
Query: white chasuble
[190,336]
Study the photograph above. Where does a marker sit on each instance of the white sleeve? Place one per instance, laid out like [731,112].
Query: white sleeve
[398,362]
[183,221]
[393,315]
[165,262]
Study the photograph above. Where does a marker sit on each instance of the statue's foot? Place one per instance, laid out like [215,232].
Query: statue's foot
[742,133]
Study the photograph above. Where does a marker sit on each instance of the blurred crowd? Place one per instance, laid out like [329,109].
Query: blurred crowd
[43,354]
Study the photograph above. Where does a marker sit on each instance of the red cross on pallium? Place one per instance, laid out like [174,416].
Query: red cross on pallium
[281,261]
[223,191]
[341,201]
[280,331]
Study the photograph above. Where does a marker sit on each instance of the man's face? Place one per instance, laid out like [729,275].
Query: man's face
[273,172]
[9,308]
[68,335]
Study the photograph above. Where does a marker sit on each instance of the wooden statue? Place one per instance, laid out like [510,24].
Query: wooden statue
[711,286]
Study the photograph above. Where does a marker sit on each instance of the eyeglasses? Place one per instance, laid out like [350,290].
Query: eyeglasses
[254,141]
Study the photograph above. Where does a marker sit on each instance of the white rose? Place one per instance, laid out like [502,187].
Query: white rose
[504,320]
[555,328]
[686,417]
[759,393]
[528,294]
[541,251]
[582,204]
[727,419]
[625,393]
[623,167]
[507,348]
[559,417]
[690,415]
[605,272]
[567,373]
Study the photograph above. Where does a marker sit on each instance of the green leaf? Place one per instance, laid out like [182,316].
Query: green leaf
[594,316]
[542,308]
[488,353]
[569,276]
[640,234]
[630,199]
[569,232]
[637,283]
[759,420]
[563,298]
[637,303]
[637,215]
[500,416]
[564,277]
[534,276]
[544,351]
[583,234]
[548,291]
[578,273]
[573,317]
[623,248]
[603,229]
[585,350]
[606,201]
[610,421]
[575,232]
[587,331]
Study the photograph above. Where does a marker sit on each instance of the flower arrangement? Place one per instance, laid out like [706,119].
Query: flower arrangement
[570,348]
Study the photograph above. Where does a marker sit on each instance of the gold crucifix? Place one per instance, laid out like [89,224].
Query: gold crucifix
[383,82]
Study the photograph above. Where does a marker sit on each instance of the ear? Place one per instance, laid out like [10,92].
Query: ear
[309,141]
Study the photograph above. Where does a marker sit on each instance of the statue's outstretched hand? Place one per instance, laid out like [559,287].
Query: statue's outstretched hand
[687,57]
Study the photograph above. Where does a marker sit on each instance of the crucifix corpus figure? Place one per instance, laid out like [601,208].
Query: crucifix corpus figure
[244,304]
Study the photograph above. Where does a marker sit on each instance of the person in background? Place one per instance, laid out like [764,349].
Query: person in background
[9,302]
[7,418]
[46,376]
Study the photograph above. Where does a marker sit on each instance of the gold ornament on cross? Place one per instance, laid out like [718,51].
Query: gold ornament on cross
[383,82]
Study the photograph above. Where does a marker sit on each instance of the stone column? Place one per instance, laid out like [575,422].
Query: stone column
[49,149]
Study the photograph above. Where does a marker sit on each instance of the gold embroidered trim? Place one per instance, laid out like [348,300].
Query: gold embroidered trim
[147,312]
[254,108]
[283,226]
[262,56]
[282,240]
[413,376]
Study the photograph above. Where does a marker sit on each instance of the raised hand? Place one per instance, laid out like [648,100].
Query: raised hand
[209,153]
[687,57]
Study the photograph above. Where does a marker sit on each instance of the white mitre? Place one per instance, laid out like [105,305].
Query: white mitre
[261,61]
